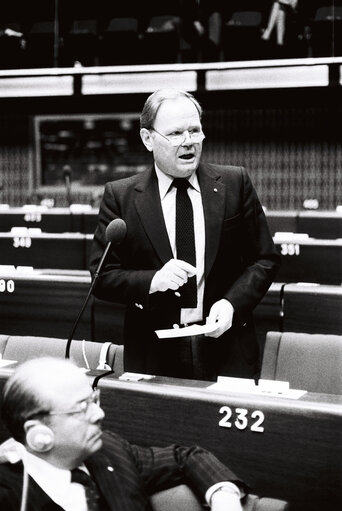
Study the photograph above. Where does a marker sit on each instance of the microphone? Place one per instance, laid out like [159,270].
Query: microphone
[115,233]
[67,181]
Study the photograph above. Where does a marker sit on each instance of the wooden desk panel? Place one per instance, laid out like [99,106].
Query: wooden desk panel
[312,309]
[56,294]
[297,456]
[320,224]
[45,302]
[45,250]
[48,303]
[310,260]
[48,220]
[317,224]
[44,305]
[282,221]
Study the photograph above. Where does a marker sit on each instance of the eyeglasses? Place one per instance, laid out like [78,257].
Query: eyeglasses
[81,407]
[196,136]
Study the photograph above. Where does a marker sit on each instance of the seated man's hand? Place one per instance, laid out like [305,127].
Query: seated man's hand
[172,276]
[221,315]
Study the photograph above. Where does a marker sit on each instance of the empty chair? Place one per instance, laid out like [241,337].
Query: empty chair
[93,355]
[119,42]
[80,43]
[311,362]
[241,35]
[326,39]
[161,39]
[40,44]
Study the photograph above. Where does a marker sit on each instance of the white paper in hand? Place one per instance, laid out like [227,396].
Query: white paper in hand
[185,331]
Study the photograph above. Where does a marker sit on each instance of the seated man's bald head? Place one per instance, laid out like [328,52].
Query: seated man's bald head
[36,385]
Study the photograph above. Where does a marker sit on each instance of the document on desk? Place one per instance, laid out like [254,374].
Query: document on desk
[185,331]
[136,376]
[264,387]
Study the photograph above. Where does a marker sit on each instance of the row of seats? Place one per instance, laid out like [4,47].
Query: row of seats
[304,259]
[154,33]
[34,303]
[92,355]
[310,362]
[83,219]
[299,307]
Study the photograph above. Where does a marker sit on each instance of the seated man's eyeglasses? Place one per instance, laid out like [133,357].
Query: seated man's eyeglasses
[177,138]
[81,407]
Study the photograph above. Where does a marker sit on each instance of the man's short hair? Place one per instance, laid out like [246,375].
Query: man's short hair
[155,100]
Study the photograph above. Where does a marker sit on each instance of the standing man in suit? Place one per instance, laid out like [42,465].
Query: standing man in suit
[235,258]
[63,461]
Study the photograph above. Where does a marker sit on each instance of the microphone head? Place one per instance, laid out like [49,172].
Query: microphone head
[116,230]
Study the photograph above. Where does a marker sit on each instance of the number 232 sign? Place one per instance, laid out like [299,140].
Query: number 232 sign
[241,418]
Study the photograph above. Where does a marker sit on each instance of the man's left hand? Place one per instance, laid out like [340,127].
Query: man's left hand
[221,314]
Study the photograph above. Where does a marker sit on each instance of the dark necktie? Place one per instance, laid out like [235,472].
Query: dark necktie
[185,240]
[91,492]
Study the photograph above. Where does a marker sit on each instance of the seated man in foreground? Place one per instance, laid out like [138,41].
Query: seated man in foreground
[65,461]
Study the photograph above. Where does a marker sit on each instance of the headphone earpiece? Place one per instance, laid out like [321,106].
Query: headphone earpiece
[40,438]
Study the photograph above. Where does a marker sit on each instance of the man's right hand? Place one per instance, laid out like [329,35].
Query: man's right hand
[172,276]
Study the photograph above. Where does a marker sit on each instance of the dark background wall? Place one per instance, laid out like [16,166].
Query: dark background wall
[288,140]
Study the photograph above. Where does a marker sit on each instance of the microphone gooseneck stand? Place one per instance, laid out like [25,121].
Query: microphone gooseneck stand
[115,233]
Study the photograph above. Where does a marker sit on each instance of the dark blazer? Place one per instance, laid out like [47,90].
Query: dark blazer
[240,264]
[126,475]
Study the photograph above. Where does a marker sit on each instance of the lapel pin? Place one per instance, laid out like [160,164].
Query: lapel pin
[111,469]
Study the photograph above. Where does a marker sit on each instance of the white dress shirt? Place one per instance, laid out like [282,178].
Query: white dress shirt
[168,202]
[55,482]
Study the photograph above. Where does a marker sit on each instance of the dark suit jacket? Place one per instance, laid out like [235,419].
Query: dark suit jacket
[240,264]
[138,473]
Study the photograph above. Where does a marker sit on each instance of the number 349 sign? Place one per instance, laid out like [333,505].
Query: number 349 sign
[241,418]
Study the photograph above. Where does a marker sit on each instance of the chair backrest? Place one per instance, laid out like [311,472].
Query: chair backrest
[328,13]
[95,354]
[311,362]
[182,497]
[42,27]
[123,25]
[166,23]
[88,27]
[246,19]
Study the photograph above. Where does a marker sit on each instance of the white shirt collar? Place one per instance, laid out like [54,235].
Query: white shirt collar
[54,481]
[165,181]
